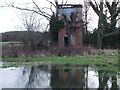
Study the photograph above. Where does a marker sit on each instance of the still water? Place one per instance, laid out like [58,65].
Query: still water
[51,76]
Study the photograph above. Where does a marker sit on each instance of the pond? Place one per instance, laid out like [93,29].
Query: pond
[58,76]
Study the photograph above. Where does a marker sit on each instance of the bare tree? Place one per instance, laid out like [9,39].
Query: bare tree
[30,21]
[31,24]
[106,23]
[86,9]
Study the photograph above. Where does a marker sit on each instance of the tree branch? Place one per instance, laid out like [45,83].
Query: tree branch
[38,11]
[27,9]
[66,1]
[42,12]
[115,14]
[94,8]
[110,34]
[117,19]
[108,6]
[51,3]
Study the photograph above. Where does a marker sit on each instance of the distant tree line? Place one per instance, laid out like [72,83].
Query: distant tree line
[33,39]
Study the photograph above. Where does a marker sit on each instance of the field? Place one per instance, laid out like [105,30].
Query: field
[110,62]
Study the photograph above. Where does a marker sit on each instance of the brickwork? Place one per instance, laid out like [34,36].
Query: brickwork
[61,35]
[71,34]
[77,38]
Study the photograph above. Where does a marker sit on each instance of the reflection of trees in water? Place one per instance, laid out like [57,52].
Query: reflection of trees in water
[35,77]
[103,80]
[87,78]
[47,77]
[106,81]
[76,78]
[22,80]
[114,84]
[92,77]
[118,80]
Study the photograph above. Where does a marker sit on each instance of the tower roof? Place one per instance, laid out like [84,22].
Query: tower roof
[69,6]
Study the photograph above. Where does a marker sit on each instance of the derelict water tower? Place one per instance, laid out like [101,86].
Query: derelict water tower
[71,34]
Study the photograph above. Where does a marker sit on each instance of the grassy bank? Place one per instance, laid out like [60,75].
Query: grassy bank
[111,61]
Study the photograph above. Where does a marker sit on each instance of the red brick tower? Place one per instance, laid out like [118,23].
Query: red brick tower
[71,34]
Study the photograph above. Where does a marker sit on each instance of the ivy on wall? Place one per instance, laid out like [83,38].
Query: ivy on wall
[55,25]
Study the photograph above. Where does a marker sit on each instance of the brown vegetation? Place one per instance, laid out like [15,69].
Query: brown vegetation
[27,51]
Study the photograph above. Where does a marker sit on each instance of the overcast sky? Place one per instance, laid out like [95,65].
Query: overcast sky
[9,19]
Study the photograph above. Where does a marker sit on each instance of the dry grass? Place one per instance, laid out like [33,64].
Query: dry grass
[27,51]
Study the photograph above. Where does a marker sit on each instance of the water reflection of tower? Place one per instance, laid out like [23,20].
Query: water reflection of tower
[77,78]
[68,78]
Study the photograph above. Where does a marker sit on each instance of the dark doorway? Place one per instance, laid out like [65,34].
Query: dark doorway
[66,41]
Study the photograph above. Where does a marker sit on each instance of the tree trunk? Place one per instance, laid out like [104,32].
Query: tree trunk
[99,38]
[100,26]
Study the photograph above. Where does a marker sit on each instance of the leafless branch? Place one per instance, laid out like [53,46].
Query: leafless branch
[96,3]
[51,3]
[51,9]
[41,11]
[94,8]
[62,1]
[47,27]
[118,19]
[110,34]
[66,1]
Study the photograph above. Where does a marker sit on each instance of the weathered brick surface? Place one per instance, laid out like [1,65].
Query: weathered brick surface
[72,17]
[61,35]
[77,37]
